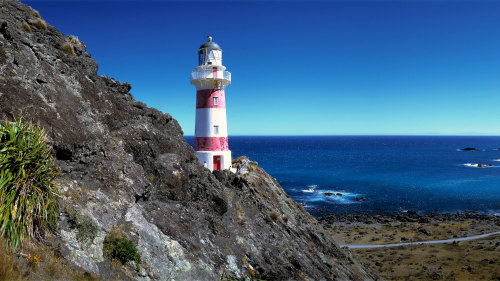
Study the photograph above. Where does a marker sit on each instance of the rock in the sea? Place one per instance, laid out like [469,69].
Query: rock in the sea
[328,193]
[361,198]
[469,149]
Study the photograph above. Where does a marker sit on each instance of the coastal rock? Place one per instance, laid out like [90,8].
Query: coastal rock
[127,168]
[424,230]
[469,149]
[480,165]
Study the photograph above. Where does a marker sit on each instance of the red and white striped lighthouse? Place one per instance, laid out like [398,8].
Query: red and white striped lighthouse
[210,79]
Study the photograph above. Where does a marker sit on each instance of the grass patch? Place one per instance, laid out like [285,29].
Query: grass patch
[26,27]
[74,40]
[273,216]
[28,203]
[40,24]
[68,49]
[284,218]
[35,13]
[9,268]
[121,248]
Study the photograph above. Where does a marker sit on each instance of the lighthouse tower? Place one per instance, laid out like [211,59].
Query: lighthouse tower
[210,79]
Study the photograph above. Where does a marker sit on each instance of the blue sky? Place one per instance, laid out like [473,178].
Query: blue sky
[306,68]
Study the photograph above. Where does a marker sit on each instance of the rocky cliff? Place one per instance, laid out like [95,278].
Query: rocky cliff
[126,168]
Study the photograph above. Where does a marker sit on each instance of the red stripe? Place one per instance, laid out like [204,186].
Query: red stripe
[210,144]
[205,98]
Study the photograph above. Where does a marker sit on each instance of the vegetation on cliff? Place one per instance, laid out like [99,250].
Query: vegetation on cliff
[28,203]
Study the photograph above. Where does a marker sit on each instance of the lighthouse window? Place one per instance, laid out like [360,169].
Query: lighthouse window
[216,130]
[216,100]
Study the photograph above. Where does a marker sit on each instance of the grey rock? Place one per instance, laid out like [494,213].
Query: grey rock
[127,166]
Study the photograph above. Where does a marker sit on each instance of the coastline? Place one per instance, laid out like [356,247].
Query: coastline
[454,259]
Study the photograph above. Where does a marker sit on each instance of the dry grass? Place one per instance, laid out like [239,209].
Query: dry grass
[284,218]
[274,216]
[35,13]
[240,214]
[472,260]
[39,263]
[26,27]
[383,234]
[40,24]
[9,268]
[68,49]
[74,40]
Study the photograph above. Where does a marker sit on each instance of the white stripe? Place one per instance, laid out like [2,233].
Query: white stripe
[204,84]
[207,118]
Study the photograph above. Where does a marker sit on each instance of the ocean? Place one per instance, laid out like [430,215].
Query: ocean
[380,174]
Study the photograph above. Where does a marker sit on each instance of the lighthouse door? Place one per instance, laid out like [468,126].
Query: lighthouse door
[217,163]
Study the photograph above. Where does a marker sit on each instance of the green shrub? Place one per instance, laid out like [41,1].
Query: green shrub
[28,204]
[123,249]
[68,49]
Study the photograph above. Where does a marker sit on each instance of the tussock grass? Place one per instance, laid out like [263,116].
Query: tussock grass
[28,204]
[274,216]
[40,24]
[68,49]
[9,268]
[74,40]
[284,218]
[35,13]
[26,27]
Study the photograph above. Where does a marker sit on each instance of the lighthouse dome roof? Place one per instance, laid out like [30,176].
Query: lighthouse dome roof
[210,45]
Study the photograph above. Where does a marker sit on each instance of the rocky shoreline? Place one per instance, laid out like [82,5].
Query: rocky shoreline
[467,260]
[407,216]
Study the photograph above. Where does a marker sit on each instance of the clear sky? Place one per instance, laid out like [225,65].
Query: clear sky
[306,68]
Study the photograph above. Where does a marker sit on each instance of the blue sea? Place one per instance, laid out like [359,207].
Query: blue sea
[386,174]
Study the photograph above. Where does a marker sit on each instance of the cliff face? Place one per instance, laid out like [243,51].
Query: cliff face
[127,168]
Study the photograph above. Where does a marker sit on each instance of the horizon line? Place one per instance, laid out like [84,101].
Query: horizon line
[262,1]
[359,135]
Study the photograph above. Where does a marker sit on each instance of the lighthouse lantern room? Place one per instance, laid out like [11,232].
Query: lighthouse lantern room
[210,79]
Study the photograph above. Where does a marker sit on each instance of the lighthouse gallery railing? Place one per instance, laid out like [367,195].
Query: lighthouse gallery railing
[210,74]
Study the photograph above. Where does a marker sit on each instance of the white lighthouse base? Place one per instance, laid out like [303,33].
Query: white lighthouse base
[208,157]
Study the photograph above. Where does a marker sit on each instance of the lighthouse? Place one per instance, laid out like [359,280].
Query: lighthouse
[210,79]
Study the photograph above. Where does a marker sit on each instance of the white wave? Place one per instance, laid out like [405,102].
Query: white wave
[478,165]
[498,160]
[311,189]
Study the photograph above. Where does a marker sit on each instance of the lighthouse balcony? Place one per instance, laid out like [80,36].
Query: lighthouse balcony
[211,74]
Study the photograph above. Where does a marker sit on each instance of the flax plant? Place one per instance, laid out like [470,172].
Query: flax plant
[28,192]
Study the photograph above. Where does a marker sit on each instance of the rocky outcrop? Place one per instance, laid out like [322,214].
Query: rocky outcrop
[469,149]
[126,167]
